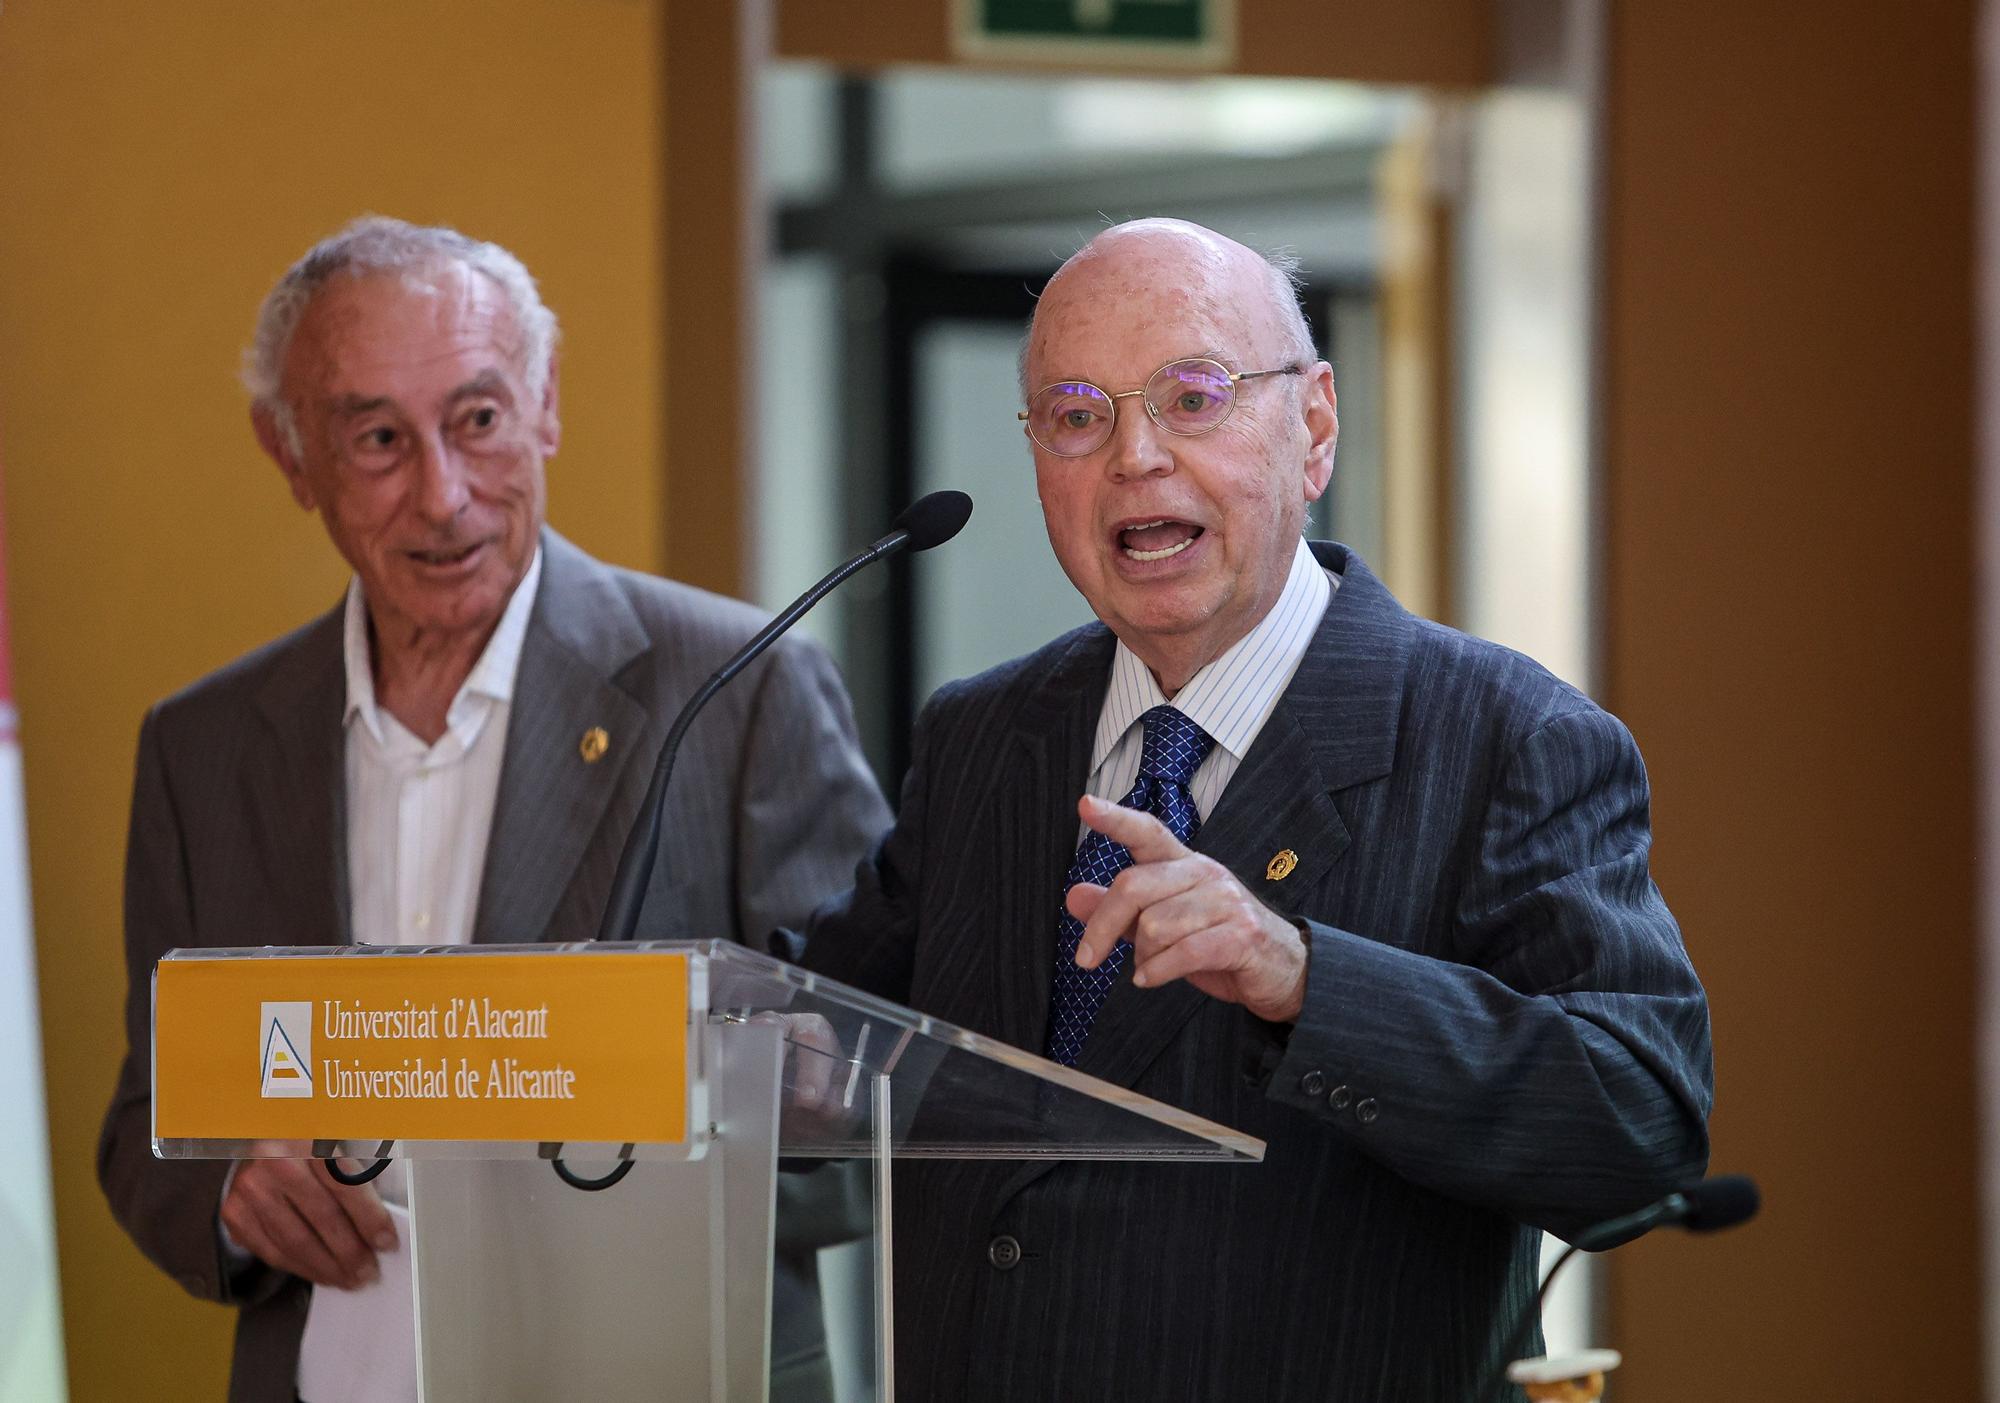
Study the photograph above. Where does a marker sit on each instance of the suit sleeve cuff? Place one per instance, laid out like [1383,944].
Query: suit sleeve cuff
[1311,1073]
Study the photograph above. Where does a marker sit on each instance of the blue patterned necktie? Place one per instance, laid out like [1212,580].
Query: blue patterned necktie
[1174,749]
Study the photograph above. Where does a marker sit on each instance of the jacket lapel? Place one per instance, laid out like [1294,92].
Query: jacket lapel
[581,635]
[1334,727]
[302,702]
[1036,831]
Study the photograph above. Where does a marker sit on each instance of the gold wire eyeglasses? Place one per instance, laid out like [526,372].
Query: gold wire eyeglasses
[1072,418]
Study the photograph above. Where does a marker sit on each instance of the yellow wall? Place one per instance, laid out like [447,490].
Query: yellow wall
[160,164]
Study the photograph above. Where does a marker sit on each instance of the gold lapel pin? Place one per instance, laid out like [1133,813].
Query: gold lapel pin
[593,745]
[1281,866]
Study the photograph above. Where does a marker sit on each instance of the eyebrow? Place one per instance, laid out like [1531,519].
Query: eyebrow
[487,383]
[1221,358]
[350,406]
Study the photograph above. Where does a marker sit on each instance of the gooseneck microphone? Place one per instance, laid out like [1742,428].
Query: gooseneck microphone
[927,522]
[1708,1206]
[1711,1205]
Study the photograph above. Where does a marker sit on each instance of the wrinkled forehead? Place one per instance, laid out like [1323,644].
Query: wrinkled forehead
[388,322]
[1120,315]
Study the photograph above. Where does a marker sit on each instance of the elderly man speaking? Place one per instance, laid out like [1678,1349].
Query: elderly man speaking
[1364,887]
[453,754]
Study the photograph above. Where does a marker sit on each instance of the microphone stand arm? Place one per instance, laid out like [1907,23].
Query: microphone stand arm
[932,520]
[642,846]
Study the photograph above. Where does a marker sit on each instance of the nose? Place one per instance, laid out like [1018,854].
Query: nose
[1138,445]
[443,482]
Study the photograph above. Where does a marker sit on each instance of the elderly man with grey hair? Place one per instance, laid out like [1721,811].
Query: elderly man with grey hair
[452,753]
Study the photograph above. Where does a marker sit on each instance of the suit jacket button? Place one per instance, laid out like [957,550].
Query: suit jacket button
[1365,1110]
[1313,1084]
[1004,1252]
[1340,1098]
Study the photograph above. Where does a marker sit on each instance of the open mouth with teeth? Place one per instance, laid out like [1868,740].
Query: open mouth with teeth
[1157,540]
[444,557]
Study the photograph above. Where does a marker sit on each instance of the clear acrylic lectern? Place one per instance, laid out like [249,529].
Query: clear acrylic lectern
[753,1259]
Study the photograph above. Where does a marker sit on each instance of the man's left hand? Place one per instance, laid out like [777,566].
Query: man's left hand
[1187,918]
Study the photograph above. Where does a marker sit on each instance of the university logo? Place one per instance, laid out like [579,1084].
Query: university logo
[287,1050]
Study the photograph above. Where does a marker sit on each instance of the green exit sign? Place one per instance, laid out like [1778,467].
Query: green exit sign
[1148,33]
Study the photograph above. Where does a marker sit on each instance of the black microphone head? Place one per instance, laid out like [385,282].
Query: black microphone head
[1721,1202]
[934,519]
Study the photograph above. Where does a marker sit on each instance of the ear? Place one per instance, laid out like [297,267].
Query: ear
[1322,414]
[278,448]
[548,431]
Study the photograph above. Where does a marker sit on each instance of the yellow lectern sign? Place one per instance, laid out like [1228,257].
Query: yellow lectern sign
[573,1047]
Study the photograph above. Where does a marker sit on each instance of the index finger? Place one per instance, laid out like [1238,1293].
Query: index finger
[814,1054]
[363,1209]
[1145,837]
[812,1057]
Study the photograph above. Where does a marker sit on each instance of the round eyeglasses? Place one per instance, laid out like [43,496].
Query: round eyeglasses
[1072,418]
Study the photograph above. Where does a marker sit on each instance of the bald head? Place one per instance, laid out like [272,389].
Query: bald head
[1207,275]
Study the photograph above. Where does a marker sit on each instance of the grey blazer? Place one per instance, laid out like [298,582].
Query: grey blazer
[239,838]
[1502,1030]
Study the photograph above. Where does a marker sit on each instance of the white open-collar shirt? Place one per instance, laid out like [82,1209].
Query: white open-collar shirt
[418,815]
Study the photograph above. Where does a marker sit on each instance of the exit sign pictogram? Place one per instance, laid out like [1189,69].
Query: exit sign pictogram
[1178,33]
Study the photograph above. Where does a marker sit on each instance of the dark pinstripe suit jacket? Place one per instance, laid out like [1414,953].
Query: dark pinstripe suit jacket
[1502,1031]
[239,838]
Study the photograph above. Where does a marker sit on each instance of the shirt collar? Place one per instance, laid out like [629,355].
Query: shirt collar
[492,676]
[1234,694]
